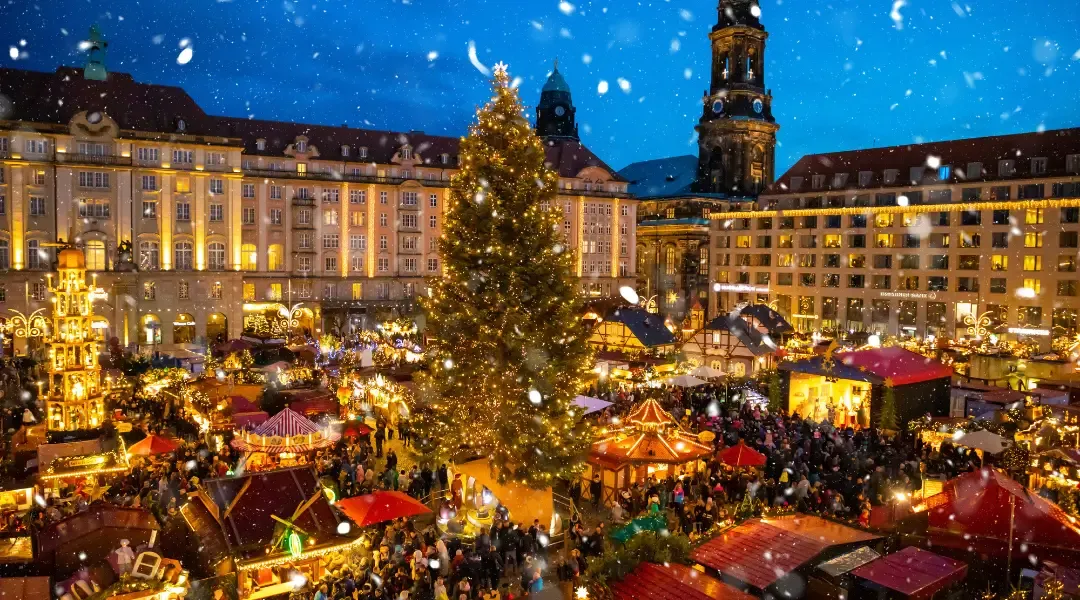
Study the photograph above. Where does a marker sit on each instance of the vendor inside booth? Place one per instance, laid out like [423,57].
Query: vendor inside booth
[848,389]
[86,475]
[650,443]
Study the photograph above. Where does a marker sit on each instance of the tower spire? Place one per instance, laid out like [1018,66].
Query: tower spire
[95,61]
[737,131]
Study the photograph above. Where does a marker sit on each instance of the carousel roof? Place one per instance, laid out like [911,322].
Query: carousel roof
[650,414]
[287,423]
[287,431]
[651,436]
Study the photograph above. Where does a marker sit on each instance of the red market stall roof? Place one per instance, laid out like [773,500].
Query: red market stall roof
[316,404]
[241,404]
[896,364]
[760,552]
[979,504]
[892,365]
[356,429]
[379,507]
[915,573]
[153,444]
[673,582]
[741,455]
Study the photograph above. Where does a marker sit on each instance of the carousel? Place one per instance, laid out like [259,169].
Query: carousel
[648,443]
[283,441]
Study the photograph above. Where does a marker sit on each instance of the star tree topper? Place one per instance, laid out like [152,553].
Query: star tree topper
[501,69]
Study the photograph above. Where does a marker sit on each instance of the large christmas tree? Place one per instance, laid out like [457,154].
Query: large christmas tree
[508,347]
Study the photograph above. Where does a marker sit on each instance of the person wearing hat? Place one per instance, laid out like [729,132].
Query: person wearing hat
[125,556]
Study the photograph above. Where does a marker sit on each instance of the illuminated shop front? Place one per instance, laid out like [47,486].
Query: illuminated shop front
[847,389]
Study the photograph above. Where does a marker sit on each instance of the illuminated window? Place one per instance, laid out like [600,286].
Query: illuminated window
[250,257]
[149,290]
[832,240]
[669,259]
[884,219]
[999,262]
[357,291]
[1032,262]
[183,185]
[274,257]
[743,241]
[249,292]
[274,292]
[1034,285]
[1033,240]
[183,290]
[216,290]
[1033,216]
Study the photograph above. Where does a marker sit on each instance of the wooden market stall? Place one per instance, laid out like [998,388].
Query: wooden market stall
[848,389]
[741,342]
[649,443]
[632,331]
[274,523]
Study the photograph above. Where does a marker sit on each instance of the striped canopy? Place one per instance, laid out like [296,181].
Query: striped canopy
[287,431]
[286,423]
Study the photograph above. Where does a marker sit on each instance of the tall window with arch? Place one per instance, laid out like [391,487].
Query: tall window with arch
[215,256]
[182,256]
[149,256]
[669,260]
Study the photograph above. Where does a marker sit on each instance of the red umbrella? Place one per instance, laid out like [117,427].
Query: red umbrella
[379,507]
[153,444]
[356,429]
[741,455]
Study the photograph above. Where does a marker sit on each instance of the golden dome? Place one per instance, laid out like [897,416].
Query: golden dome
[72,258]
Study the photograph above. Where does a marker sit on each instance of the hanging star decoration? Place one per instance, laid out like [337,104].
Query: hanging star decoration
[501,68]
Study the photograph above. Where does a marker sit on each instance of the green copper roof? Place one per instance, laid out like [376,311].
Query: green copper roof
[556,83]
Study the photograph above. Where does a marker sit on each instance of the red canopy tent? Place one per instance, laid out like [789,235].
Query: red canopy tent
[915,573]
[153,444]
[741,455]
[975,508]
[379,507]
[356,429]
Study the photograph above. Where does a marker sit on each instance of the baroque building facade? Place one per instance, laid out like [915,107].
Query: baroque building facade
[200,227]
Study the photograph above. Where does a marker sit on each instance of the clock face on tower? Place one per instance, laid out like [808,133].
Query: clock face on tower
[758,106]
[559,111]
[718,106]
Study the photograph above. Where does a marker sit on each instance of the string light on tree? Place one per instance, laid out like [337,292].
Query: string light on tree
[508,348]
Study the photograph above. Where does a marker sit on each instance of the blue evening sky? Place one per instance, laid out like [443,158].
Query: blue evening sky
[846,74]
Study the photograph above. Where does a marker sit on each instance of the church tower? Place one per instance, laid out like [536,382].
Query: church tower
[95,61]
[555,113]
[737,132]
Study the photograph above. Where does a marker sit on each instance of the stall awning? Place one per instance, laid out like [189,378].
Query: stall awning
[673,582]
[761,552]
[979,504]
[916,573]
[894,365]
